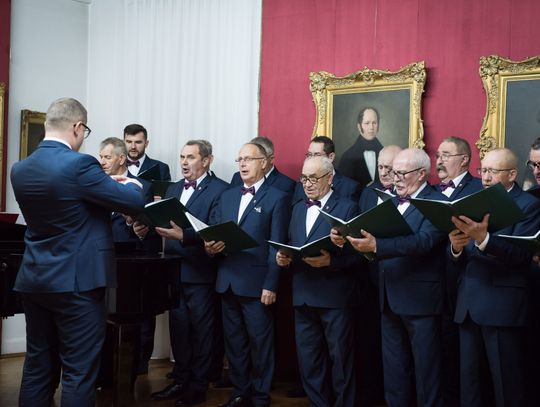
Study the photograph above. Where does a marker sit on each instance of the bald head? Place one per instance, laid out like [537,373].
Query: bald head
[384,164]
[499,165]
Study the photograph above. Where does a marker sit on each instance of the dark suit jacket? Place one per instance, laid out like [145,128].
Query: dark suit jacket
[265,218]
[165,173]
[326,287]
[468,185]
[353,164]
[411,268]
[343,186]
[369,197]
[197,266]
[275,179]
[67,200]
[492,285]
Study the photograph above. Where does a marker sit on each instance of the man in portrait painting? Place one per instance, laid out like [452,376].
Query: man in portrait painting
[359,162]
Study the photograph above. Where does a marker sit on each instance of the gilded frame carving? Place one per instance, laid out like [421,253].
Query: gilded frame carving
[325,87]
[496,73]
[32,131]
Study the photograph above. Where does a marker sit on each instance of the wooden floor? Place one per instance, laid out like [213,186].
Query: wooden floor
[10,379]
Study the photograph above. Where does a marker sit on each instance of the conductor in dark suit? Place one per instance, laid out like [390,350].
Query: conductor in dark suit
[491,307]
[136,139]
[411,281]
[324,292]
[192,323]
[452,161]
[248,280]
[272,175]
[66,199]
[322,146]
[359,161]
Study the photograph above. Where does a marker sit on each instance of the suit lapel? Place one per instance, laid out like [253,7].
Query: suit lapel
[320,221]
[255,201]
[460,186]
[198,191]
[423,194]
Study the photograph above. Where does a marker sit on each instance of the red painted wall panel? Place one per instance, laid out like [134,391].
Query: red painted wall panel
[5,17]
[342,36]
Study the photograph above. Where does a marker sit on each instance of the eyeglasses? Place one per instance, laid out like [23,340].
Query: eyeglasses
[533,165]
[248,159]
[400,175]
[492,171]
[446,156]
[312,180]
[87,130]
[309,155]
[386,168]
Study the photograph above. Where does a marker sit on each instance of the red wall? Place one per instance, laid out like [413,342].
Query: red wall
[343,36]
[5,14]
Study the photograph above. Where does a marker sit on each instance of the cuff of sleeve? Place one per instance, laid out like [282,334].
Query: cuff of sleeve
[482,246]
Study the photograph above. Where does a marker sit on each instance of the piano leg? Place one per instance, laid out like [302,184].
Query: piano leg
[125,338]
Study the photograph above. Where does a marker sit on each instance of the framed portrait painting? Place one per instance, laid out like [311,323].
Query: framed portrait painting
[32,131]
[512,116]
[366,110]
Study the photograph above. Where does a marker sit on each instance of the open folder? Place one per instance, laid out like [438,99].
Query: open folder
[383,220]
[530,243]
[230,233]
[160,213]
[312,249]
[494,200]
[150,174]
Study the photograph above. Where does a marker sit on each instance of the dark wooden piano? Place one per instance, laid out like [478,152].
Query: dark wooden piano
[146,285]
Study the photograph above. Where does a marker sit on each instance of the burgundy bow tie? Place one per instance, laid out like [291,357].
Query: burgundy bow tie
[403,199]
[312,202]
[444,186]
[136,163]
[190,184]
[250,190]
[389,189]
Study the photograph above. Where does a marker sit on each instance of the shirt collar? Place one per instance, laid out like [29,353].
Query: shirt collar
[459,178]
[258,184]
[49,138]
[415,193]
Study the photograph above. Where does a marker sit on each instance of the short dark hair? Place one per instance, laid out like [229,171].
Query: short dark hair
[328,144]
[462,145]
[360,117]
[132,129]
[536,144]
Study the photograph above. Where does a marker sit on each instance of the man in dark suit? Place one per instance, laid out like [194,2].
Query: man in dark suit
[359,161]
[66,199]
[136,139]
[452,161]
[322,146]
[411,274]
[324,292]
[192,323]
[368,338]
[273,176]
[248,280]
[492,292]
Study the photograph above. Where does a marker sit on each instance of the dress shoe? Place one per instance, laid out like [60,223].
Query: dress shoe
[172,391]
[238,402]
[296,392]
[190,399]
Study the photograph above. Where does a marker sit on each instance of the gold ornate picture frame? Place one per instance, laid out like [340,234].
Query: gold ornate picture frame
[32,131]
[512,116]
[396,96]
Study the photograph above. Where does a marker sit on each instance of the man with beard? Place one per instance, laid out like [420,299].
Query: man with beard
[359,162]
[453,159]
[136,139]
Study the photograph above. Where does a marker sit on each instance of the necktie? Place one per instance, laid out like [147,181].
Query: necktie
[444,186]
[190,184]
[136,163]
[403,199]
[312,202]
[250,190]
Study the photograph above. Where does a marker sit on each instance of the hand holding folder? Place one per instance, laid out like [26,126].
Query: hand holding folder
[312,249]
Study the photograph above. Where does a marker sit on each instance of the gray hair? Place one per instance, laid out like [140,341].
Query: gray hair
[205,147]
[119,147]
[326,164]
[420,159]
[266,143]
[63,113]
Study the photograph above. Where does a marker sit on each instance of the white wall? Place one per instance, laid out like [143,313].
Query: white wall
[49,59]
